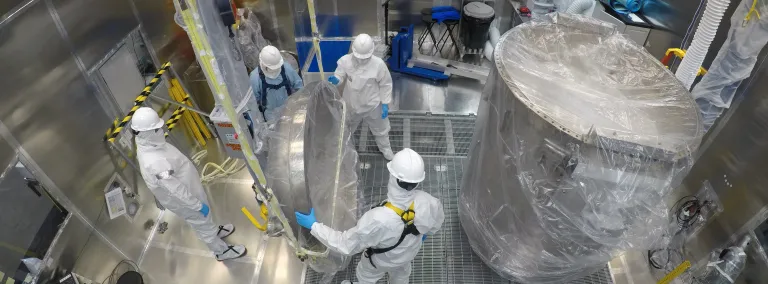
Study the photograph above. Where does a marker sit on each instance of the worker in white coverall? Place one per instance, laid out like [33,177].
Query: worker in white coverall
[368,90]
[273,82]
[175,182]
[391,234]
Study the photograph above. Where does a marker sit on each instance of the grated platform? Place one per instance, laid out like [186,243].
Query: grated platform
[443,141]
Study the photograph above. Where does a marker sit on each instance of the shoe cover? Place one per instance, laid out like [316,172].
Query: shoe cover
[232,252]
[225,230]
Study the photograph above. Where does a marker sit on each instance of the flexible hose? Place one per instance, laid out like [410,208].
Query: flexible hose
[228,167]
[488,50]
[494,35]
[580,6]
[702,39]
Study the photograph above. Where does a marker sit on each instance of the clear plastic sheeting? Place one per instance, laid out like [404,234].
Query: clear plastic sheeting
[312,164]
[734,62]
[250,38]
[725,265]
[580,137]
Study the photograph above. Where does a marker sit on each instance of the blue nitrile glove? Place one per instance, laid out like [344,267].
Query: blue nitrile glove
[306,221]
[384,111]
[205,210]
[334,80]
[423,238]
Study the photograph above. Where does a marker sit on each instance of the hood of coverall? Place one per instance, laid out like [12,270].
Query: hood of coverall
[270,61]
[397,195]
[151,138]
[269,72]
[361,62]
[429,211]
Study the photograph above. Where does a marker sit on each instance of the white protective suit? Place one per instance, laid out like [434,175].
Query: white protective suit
[369,85]
[734,63]
[175,182]
[381,227]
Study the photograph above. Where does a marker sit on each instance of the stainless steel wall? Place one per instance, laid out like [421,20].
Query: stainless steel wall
[53,117]
[168,42]
[733,159]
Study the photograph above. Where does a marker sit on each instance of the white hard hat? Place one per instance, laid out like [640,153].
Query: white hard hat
[407,166]
[146,119]
[271,57]
[362,47]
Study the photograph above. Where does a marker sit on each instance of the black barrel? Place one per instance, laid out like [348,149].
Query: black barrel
[477,18]
[130,277]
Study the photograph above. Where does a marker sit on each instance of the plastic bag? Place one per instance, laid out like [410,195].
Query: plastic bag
[250,38]
[312,164]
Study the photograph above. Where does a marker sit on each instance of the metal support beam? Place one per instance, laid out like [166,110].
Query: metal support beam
[155,97]
[363,137]
[407,133]
[451,146]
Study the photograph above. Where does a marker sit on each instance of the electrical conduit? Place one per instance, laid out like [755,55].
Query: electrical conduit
[702,39]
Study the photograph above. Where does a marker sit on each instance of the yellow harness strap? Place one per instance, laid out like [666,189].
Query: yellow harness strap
[406,215]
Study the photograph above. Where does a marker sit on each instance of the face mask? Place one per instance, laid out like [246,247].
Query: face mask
[407,185]
[360,61]
[269,72]
[151,138]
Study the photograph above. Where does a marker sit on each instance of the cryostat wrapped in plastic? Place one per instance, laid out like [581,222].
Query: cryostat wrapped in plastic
[580,136]
[312,164]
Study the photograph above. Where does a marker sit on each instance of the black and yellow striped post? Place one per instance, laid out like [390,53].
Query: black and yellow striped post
[114,131]
[173,121]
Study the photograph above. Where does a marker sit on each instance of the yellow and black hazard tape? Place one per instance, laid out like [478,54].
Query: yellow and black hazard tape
[114,131]
[172,122]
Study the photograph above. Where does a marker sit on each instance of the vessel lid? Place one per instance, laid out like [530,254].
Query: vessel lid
[478,10]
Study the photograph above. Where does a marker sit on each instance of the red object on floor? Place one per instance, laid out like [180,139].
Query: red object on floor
[524,10]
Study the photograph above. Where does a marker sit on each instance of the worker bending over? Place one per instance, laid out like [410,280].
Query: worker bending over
[273,82]
[391,234]
[368,90]
[174,181]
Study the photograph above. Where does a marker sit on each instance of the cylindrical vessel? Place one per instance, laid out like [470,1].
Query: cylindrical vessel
[477,18]
[580,135]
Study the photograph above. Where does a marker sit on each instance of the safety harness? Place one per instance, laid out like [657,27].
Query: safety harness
[264,86]
[407,216]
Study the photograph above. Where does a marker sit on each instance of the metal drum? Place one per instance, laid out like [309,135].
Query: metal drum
[311,164]
[580,136]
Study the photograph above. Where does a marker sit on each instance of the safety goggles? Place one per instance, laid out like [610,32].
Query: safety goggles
[407,185]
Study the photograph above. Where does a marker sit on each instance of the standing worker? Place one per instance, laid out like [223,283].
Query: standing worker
[391,234]
[368,91]
[273,82]
[174,181]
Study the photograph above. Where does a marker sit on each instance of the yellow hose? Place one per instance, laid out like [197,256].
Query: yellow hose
[254,221]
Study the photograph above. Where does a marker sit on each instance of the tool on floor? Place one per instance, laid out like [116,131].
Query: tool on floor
[264,216]
[675,273]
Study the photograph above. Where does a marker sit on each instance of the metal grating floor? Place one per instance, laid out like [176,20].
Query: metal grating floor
[443,141]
